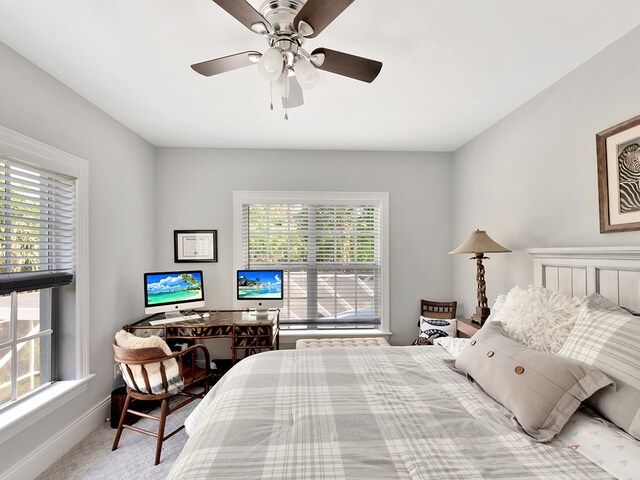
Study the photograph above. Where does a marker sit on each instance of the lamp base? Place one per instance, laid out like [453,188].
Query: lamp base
[482,313]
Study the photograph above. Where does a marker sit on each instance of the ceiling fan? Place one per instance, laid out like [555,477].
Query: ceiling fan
[286,24]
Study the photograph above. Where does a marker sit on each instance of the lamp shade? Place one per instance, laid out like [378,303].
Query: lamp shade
[479,242]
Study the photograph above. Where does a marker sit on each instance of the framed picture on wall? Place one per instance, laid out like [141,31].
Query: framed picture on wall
[195,246]
[618,150]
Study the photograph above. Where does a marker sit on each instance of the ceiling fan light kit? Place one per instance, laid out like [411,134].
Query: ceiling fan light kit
[286,24]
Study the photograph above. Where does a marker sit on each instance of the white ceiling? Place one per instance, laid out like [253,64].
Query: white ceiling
[451,69]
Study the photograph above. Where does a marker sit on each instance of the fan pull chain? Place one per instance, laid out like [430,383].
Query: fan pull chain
[286,93]
[271,95]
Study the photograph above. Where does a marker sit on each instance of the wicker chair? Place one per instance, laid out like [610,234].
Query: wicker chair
[439,310]
[192,376]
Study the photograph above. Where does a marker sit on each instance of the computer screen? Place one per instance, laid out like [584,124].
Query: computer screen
[259,289]
[171,291]
[259,284]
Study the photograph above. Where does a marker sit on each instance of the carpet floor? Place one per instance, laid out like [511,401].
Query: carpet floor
[92,457]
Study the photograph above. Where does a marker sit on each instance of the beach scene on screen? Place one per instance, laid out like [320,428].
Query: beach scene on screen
[173,288]
[259,285]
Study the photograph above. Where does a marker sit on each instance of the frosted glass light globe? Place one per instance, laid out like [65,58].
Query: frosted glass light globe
[306,73]
[270,64]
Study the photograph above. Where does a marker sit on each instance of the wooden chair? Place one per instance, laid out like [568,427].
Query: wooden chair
[191,376]
[439,310]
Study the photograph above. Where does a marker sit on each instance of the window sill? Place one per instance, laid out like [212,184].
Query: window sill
[18,417]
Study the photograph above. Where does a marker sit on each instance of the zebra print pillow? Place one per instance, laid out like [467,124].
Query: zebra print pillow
[433,328]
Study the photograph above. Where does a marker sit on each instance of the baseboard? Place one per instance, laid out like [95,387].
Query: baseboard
[43,456]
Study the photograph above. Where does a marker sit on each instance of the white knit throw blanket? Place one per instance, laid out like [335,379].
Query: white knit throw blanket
[174,380]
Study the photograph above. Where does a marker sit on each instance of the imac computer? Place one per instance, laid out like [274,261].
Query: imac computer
[259,290]
[173,291]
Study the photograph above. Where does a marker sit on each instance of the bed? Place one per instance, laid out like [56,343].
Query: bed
[407,412]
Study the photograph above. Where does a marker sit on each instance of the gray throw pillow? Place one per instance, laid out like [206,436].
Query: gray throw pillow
[540,389]
[608,338]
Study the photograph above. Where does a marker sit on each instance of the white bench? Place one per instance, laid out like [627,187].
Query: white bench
[341,342]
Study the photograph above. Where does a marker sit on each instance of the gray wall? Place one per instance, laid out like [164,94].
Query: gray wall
[121,178]
[531,180]
[194,191]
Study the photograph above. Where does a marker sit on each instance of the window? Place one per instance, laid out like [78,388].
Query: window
[37,253]
[63,316]
[331,247]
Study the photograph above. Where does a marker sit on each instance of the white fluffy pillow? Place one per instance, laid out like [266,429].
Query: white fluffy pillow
[175,385]
[539,318]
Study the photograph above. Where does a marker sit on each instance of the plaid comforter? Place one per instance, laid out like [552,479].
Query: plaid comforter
[361,413]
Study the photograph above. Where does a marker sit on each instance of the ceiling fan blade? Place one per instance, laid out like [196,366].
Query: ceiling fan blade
[351,66]
[245,14]
[320,13]
[225,64]
[296,97]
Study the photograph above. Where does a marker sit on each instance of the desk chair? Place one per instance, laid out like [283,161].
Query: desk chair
[143,367]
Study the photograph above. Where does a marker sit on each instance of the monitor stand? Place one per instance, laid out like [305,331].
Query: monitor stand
[173,314]
[261,312]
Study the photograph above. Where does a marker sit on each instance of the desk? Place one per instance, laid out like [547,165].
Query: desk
[248,332]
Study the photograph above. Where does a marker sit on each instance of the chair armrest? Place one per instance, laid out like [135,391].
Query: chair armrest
[192,350]
[189,374]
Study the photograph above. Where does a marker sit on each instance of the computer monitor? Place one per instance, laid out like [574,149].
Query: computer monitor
[259,290]
[173,291]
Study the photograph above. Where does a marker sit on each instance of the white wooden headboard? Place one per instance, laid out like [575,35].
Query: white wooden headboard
[613,272]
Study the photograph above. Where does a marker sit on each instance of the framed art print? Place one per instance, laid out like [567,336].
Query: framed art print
[618,151]
[195,245]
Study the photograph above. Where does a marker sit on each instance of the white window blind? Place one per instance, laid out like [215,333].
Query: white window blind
[37,252]
[37,227]
[330,254]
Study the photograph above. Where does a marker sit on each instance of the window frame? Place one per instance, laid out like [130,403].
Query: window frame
[243,197]
[24,412]
[46,316]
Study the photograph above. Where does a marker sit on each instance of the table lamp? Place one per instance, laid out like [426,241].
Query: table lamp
[480,243]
